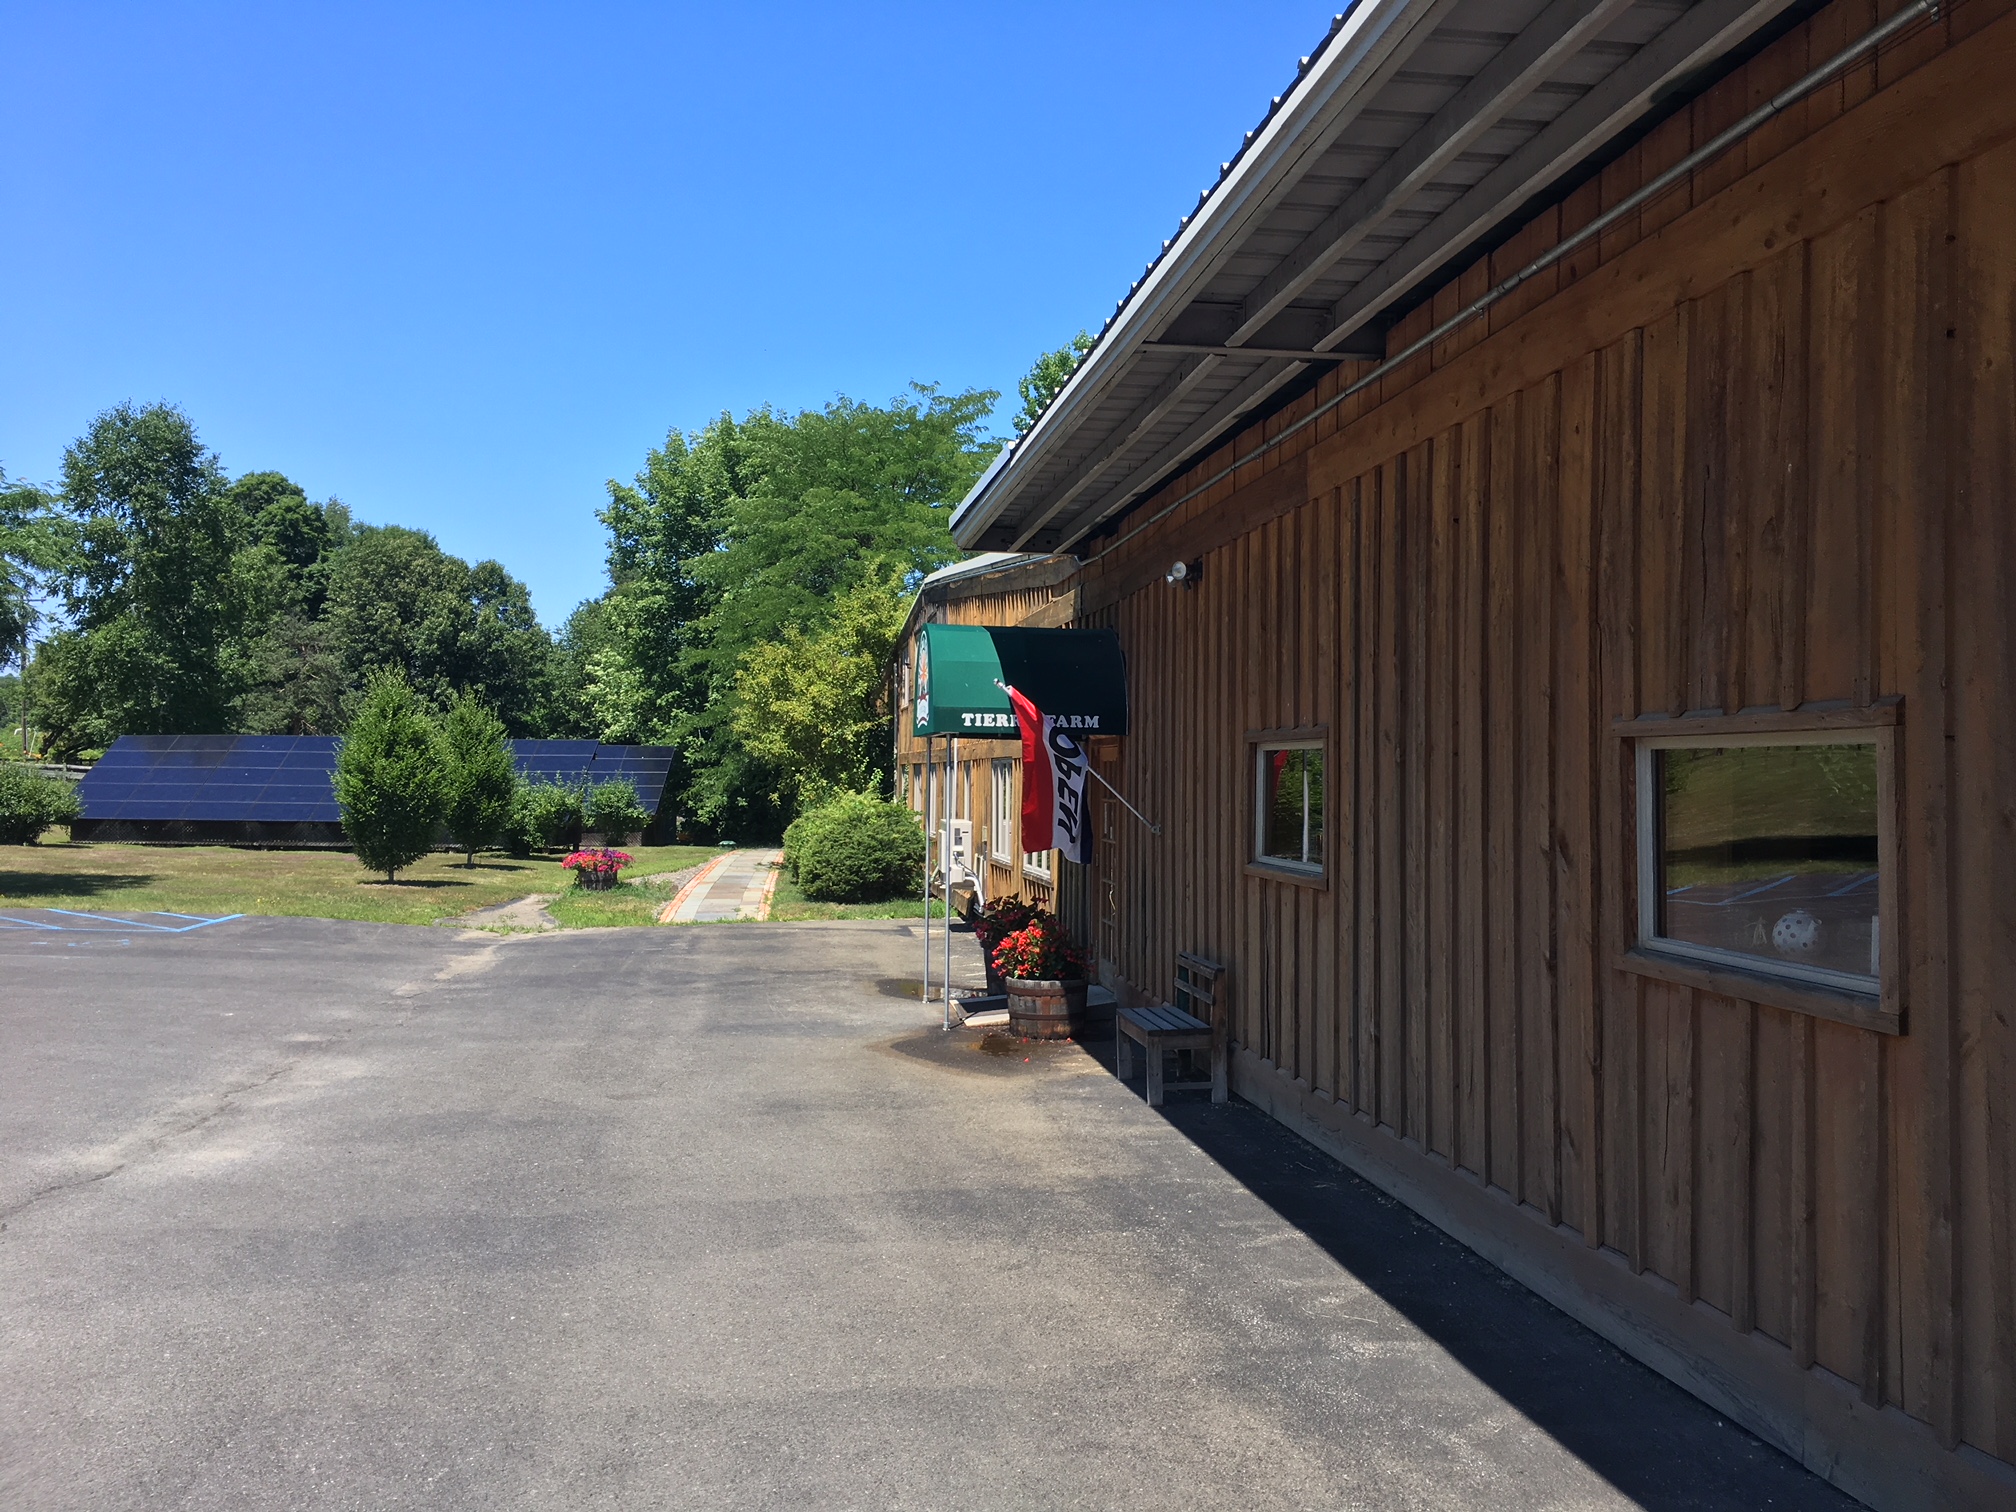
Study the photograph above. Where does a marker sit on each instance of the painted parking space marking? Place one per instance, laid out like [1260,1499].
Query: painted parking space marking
[95,923]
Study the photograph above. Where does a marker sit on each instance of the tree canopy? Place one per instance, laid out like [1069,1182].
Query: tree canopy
[759,571]
[397,600]
[1050,373]
[197,603]
[32,544]
[740,542]
[154,591]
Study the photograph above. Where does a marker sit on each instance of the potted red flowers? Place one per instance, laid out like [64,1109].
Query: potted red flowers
[597,869]
[1044,975]
[992,924]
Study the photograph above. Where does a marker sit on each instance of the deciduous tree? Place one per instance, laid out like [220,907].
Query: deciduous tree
[154,590]
[397,600]
[1051,372]
[812,706]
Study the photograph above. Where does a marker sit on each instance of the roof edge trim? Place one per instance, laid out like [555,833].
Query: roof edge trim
[1348,60]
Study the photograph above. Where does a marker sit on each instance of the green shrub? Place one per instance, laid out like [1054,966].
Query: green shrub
[30,803]
[794,836]
[388,777]
[614,811]
[519,836]
[544,816]
[857,849]
[477,775]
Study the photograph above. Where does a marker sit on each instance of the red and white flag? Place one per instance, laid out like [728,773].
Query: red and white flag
[1054,816]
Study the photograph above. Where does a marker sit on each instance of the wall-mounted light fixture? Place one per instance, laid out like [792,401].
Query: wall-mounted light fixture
[1186,573]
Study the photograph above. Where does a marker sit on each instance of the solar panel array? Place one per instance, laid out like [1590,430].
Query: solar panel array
[280,779]
[288,779]
[647,768]
[582,762]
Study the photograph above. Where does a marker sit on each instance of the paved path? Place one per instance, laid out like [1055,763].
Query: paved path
[296,1213]
[736,885]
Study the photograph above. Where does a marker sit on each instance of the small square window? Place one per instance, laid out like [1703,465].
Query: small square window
[1288,806]
[1767,853]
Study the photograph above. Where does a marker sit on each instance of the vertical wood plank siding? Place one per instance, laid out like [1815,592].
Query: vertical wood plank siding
[993,605]
[1761,451]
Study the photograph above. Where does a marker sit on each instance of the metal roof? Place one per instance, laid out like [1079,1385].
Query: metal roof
[1418,132]
[976,566]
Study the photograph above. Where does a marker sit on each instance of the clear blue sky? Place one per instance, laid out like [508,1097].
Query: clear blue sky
[460,265]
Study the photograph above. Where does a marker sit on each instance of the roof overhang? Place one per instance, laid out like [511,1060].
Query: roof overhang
[1419,133]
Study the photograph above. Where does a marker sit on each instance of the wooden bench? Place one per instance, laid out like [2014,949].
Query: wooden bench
[1195,1021]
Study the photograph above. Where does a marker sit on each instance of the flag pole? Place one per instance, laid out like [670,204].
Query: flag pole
[951,778]
[1093,772]
[927,871]
[944,861]
[1153,828]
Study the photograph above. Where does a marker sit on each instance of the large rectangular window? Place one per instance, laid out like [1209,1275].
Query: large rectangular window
[1288,805]
[1767,853]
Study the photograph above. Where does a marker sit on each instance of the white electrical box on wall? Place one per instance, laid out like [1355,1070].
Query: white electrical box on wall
[962,848]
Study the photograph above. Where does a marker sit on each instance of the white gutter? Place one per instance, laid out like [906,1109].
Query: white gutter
[1352,62]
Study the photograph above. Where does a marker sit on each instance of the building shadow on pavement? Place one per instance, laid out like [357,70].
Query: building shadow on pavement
[1653,1441]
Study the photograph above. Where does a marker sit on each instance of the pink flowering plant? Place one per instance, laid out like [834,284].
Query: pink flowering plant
[1040,952]
[597,868]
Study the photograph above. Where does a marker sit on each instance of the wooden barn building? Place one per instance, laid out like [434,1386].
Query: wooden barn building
[1583,725]
[994,588]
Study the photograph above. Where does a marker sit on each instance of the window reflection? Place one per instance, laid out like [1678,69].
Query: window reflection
[1771,851]
[1291,804]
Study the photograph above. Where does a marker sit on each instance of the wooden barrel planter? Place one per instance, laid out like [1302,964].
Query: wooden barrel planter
[1046,1010]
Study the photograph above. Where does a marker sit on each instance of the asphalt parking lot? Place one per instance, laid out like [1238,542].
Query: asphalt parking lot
[302,1214]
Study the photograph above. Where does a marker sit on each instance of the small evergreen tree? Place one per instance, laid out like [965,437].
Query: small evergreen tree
[477,774]
[388,777]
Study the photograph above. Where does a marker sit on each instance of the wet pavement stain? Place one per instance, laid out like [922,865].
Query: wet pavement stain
[994,1052]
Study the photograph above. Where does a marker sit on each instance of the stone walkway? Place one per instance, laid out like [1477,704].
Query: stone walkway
[520,913]
[736,885]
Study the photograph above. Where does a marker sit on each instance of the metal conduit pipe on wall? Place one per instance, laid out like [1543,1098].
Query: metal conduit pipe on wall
[1791,95]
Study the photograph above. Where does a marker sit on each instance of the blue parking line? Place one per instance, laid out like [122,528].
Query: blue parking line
[1730,902]
[8,921]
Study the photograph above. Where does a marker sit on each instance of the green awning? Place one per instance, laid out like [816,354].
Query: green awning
[1078,675]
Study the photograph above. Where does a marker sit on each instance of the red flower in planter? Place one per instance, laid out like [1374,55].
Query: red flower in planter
[597,867]
[1001,918]
[1040,952]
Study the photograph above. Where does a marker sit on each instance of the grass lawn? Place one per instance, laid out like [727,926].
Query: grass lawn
[789,905]
[625,904]
[203,879]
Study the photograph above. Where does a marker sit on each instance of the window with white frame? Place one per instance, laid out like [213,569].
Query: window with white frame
[1288,805]
[1767,852]
[1003,816]
[1037,863]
